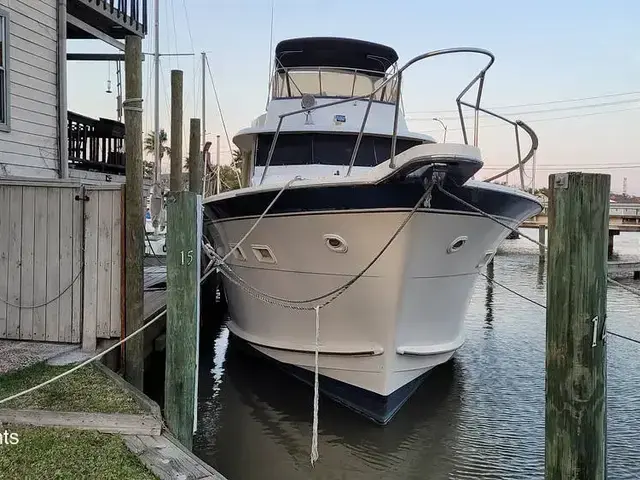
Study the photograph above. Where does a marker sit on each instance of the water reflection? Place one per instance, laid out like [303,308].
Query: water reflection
[488,303]
[268,413]
[481,416]
[542,269]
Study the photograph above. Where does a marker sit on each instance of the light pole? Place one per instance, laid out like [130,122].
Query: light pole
[444,140]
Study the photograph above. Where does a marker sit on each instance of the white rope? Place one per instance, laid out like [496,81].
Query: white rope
[491,217]
[316,392]
[286,185]
[208,272]
[336,292]
[621,285]
[86,362]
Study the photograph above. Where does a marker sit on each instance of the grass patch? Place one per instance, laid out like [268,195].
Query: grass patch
[61,454]
[85,390]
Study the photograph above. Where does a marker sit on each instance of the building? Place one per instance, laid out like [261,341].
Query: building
[61,175]
[38,136]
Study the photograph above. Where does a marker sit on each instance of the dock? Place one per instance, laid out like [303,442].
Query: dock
[624,267]
[155,300]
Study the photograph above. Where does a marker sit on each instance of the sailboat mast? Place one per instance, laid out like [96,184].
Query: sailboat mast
[204,123]
[157,92]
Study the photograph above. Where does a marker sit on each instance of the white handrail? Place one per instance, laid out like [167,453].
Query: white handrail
[398,74]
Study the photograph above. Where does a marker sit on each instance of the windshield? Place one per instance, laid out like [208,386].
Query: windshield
[327,149]
[331,82]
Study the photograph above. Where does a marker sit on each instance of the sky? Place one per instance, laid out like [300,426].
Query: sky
[570,69]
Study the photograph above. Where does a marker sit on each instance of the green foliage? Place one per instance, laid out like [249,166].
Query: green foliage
[150,147]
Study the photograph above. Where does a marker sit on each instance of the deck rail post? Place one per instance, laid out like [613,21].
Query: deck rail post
[575,412]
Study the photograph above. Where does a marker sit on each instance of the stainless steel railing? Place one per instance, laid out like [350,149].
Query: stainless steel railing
[479,78]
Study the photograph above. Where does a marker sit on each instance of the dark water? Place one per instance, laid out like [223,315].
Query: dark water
[481,416]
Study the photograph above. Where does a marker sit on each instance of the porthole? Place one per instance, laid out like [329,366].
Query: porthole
[263,254]
[457,244]
[487,257]
[336,243]
[238,253]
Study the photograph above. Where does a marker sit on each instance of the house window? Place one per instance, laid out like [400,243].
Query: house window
[4,71]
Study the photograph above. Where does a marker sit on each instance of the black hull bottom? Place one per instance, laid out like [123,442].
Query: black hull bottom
[373,406]
[377,408]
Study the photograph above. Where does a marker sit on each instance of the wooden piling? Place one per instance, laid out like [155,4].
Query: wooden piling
[575,416]
[542,240]
[175,177]
[134,212]
[184,230]
[196,160]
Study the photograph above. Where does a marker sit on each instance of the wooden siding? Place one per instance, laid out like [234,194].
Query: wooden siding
[47,234]
[30,149]
[103,227]
[37,264]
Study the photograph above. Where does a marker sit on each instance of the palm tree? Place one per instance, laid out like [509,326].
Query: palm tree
[236,158]
[150,147]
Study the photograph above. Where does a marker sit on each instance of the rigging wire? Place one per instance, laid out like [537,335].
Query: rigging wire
[524,297]
[224,124]
[270,79]
[533,112]
[539,120]
[193,59]
[549,102]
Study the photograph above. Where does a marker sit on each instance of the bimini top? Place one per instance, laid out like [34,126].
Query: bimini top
[334,52]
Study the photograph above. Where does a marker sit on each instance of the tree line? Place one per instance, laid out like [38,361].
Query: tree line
[230,175]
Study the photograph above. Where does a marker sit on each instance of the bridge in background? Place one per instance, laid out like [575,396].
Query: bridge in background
[623,217]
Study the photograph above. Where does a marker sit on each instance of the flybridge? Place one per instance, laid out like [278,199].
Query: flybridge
[333,67]
[335,52]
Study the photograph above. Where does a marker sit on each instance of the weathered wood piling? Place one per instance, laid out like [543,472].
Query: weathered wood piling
[134,212]
[575,414]
[184,215]
[184,232]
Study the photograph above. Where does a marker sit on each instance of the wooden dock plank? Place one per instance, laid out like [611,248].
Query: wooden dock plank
[103,303]
[40,265]
[53,264]
[5,222]
[66,263]
[153,303]
[116,239]
[621,267]
[167,459]
[102,422]
[15,258]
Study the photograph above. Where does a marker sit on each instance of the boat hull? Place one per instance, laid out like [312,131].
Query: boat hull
[403,317]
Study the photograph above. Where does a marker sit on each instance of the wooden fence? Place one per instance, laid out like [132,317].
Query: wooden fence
[60,275]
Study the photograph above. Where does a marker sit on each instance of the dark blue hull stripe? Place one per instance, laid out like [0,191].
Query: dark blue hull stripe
[392,196]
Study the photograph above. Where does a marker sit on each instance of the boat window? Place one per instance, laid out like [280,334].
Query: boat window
[330,82]
[328,149]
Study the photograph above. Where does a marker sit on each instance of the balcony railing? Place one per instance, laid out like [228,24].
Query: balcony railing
[96,144]
[117,17]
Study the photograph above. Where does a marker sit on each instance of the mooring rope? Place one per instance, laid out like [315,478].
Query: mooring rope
[515,230]
[330,296]
[316,392]
[86,362]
